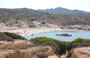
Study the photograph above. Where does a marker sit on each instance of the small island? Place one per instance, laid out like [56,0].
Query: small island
[66,35]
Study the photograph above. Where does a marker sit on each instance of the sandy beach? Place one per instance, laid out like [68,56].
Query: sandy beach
[31,31]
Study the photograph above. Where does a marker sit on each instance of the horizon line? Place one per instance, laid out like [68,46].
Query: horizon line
[44,9]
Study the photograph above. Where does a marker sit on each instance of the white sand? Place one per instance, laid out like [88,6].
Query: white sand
[30,31]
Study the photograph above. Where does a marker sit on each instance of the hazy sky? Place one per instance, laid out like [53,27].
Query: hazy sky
[44,4]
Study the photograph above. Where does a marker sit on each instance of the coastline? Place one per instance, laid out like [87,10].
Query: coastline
[32,31]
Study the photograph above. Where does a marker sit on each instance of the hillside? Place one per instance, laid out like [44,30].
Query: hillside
[21,17]
[64,11]
[24,17]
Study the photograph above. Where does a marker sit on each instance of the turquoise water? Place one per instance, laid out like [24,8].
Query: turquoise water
[75,34]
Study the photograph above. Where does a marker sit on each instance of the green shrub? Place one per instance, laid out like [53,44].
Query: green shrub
[13,35]
[61,46]
[79,41]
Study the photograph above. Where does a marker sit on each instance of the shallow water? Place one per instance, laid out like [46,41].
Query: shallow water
[75,34]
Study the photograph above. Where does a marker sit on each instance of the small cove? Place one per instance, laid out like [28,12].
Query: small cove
[75,34]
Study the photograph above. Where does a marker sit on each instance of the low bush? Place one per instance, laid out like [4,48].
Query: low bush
[61,46]
[79,41]
[13,35]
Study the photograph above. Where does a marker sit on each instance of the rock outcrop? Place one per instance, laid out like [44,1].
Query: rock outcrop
[82,52]
[24,49]
[54,56]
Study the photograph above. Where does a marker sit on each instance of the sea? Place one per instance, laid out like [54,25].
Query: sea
[75,34]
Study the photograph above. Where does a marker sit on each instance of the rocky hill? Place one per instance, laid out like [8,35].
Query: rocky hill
[65,11]
[24,17]
[21,17]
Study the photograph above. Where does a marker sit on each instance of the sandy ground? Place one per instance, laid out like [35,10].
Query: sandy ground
[31,31]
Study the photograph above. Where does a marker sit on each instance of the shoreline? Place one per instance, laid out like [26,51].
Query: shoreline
[32,31]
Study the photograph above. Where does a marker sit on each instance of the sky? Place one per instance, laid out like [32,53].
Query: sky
[46,4]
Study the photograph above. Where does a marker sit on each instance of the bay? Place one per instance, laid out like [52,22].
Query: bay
[75,35]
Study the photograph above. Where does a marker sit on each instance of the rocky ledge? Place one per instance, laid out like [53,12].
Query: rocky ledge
[25,49]
[81,52]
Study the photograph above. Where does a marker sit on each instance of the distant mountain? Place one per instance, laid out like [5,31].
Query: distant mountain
[64,11]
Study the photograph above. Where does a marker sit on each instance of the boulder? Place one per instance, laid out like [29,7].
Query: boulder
[24,49]
[81,52]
